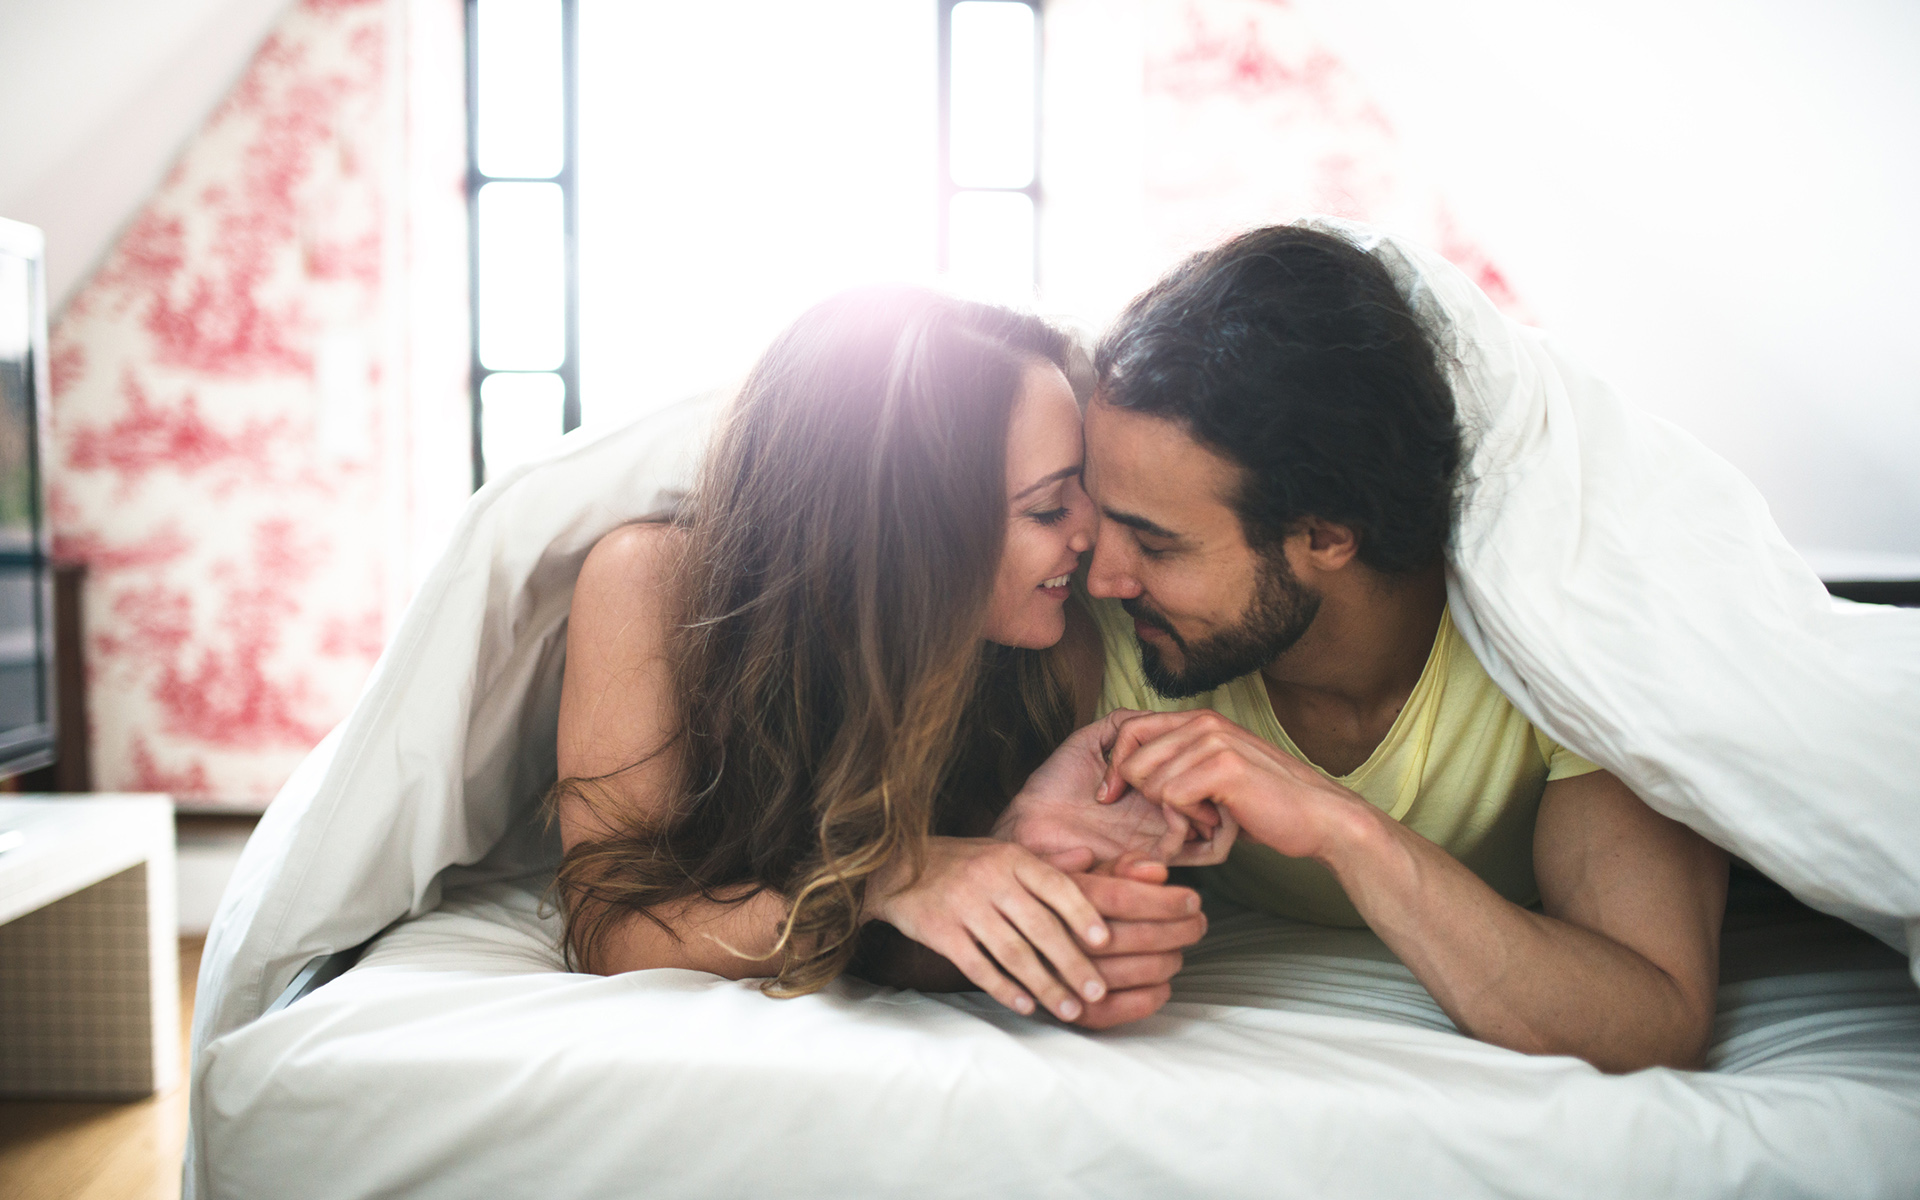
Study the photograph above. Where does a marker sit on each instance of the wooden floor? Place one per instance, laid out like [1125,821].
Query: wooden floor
[89,1151]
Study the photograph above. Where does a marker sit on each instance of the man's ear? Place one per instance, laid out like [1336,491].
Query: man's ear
[1328,546]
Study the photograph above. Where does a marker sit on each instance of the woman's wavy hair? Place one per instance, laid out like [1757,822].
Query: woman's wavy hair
[838,702]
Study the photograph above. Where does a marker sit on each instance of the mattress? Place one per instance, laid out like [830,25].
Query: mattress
[460,1059]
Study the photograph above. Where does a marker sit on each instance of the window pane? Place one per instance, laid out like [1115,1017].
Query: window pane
[728,182]
[991,239]
[521,102]
[993,85]
[520,418]
[522,277]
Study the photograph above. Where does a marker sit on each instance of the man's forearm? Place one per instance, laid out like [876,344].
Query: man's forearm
[1506,975]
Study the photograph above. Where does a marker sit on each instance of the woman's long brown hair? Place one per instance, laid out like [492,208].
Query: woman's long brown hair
[838,703]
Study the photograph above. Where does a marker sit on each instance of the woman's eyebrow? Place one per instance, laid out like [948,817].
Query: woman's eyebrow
[1057,476]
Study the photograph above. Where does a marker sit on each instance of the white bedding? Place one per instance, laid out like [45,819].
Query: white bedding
[457,1060]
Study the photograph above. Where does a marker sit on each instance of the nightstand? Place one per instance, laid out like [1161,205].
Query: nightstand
[89,961]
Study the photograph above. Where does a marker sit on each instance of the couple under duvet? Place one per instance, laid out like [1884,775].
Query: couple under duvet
[943,666]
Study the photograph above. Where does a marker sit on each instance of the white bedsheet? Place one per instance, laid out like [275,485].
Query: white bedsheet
[458,1060]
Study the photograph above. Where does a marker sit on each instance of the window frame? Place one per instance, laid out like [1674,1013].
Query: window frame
[567,179]
[945,188]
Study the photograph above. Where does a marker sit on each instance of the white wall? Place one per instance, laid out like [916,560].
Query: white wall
[1718,201]
[1713,199]
[97,97]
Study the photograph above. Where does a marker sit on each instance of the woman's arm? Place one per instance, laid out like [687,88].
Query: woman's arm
[1014,925]
[617,722]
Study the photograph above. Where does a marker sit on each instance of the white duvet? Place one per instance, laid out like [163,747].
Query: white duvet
[1623,585]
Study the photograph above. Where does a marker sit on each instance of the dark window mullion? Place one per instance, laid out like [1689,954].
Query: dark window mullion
[570,204]
[477,373]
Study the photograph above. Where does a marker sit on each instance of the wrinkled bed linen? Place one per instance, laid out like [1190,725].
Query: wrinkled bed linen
[458,1060]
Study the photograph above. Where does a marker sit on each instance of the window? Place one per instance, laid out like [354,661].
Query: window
[989,141]
[522,217]
[657,190]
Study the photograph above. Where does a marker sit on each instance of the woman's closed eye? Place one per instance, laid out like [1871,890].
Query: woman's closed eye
[1050,516]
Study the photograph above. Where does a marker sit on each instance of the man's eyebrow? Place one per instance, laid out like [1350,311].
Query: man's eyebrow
[1135,521]
[1056,477]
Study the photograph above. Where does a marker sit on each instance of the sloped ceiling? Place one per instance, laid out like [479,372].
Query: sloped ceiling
[97,98]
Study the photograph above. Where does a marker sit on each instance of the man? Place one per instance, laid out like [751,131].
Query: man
[1273,453]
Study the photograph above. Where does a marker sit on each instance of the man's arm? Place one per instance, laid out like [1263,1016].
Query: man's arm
[1620,968]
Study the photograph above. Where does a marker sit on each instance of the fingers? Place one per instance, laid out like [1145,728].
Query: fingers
[1030,929]
[1142,745]
[1015,954]
[1151,937]
[1136,900]
[1126,971]
[1208,773]
[1061,953]
[1211,849]
[1122,739]
[1137,866]
[1166,756]
[1060,894]
[1179,828]
[1129,1005]
[960,950]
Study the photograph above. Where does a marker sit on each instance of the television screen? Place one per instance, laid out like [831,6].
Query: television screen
[26,624]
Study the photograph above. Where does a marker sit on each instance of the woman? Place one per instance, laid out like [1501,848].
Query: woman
[796,709]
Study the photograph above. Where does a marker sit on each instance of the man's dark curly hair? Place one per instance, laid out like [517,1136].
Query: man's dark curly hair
[1290,352]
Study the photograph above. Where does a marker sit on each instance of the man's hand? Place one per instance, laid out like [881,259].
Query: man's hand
[1190,762]
[1151,924]
[1056,811]
[1621,965]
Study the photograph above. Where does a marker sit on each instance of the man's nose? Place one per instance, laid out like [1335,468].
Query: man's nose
[1108,576]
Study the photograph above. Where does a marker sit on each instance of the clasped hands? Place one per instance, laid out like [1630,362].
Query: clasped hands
[1067,905]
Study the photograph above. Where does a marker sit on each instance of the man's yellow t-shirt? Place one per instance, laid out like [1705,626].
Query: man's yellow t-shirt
[1460,766]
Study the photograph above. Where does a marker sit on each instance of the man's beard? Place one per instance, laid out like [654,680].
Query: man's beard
[1279,614]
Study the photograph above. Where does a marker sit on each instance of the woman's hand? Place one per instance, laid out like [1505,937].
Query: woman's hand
[1014,925]
[1056,811]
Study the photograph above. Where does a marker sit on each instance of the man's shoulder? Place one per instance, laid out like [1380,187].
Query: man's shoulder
[1471,697]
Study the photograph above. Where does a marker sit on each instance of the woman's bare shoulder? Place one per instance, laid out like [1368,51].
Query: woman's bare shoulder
[614,696]
[631,575]
[643,552]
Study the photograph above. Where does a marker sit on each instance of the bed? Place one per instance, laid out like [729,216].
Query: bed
[457,1058]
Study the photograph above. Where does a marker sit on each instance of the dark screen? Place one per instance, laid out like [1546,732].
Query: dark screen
[23,694]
